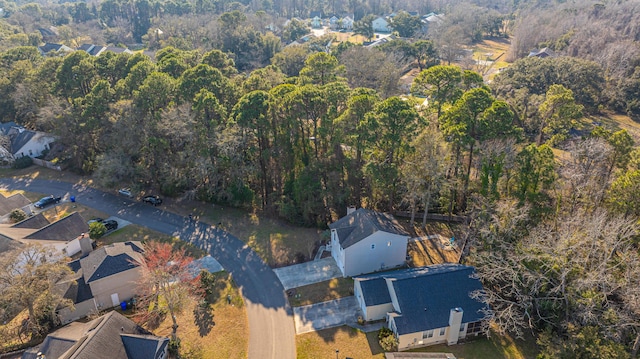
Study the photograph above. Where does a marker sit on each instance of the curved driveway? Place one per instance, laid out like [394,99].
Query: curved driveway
[271,328]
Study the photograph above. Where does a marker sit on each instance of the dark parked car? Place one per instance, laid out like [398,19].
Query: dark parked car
[45,201]
[110,225]
[154,200]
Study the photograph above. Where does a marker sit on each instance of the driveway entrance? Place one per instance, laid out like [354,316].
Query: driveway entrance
[333,313]
[307,273]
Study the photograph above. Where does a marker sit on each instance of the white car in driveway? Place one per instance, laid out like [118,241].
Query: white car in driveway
[125,192]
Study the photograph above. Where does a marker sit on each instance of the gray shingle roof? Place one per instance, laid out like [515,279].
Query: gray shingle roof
[19,135]
[64,229]
[362,223]
[8,204]
[143,346]
[111,259]
[374,291]
[52,346]
[34,222]
[427,294]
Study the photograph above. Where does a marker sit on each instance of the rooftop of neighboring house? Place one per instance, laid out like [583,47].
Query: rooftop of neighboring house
[8,204]
[362,223]
[111,336]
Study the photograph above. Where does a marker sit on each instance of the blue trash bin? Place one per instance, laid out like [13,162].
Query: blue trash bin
[123,305]
[73,199]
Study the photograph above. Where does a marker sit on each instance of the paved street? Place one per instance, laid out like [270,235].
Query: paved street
[271,330]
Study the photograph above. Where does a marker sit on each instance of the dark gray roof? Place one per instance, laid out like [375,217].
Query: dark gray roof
[375,291]
[64,229]
[74,265]
[19,135]
[8,204]
[362,223]
[427,294]
[143,346]
[426,297]
[34,222]
[93,50]
[50,47]
[112,265]
[52,346]
[78,291]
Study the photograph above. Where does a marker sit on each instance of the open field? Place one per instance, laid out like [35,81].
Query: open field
[358,345]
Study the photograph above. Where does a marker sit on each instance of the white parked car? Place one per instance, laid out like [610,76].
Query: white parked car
[125,192]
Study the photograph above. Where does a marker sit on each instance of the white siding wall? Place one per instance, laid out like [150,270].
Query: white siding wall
[123,283]
[36,146]
[72,247]
[377,312]
[379,251]
[337,252]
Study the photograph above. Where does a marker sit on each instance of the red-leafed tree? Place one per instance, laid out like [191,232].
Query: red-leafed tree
[167,283]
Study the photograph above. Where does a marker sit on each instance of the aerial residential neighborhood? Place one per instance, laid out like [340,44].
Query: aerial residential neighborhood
[294,179]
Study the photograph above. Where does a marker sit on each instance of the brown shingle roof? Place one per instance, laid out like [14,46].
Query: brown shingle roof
[36,222]
[8,204]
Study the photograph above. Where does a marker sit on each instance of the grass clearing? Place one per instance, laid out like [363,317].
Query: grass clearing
[321,292]
[134,232]
[225,335]
[64,209]
[356,344]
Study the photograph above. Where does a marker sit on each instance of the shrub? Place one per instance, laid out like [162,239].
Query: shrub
[387,340]
[17,215]
[97,230]
[22,162]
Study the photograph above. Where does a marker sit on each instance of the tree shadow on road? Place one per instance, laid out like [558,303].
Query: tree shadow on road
[203,318]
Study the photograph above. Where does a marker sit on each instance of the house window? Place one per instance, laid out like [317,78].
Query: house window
[461,328]
[427,334]
[475,327]
[389,244]
[442,330]
[373,246]
[30,153]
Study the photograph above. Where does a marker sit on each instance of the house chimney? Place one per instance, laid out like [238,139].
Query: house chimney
[85,244]
[455,322]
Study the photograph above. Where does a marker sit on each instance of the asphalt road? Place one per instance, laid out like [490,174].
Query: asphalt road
[271,326]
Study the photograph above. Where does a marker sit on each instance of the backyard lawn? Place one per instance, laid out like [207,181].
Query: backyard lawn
[358,345]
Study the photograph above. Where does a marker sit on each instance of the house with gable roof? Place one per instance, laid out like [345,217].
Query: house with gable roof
[103,279]
[424,306]
[366,241]
[15,201]
[380,24]
[16,142]
[54,48]
[111,336]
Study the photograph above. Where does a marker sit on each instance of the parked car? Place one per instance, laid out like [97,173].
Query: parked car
[154,200]
[45,201]
[125,192]
[92,220]
[110,225]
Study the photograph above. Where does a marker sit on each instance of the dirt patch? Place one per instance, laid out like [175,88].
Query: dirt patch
[321,292]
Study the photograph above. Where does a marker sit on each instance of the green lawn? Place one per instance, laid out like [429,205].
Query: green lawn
[356,344]
[322,292]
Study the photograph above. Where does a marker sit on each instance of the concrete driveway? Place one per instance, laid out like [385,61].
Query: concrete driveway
[333,313]
[307,273]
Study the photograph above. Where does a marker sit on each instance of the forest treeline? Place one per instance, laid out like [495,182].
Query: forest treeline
[302,132]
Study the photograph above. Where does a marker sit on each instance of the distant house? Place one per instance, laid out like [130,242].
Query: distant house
[542,53]
[91,49]
[424,306]
[103,279]
[431,19]
[316,22]
[118,50]
[54,48]
[111,336]
[333,22]
[366,241]
[347,23]
[380,24]
[16,142]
